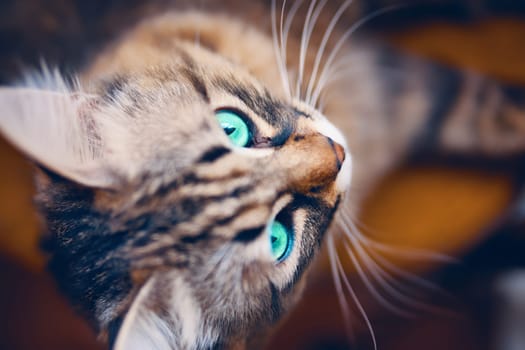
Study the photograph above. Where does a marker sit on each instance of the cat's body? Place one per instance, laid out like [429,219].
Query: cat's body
[157,226]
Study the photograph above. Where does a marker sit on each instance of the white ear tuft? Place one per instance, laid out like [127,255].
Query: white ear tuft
[142,328]
[54,127]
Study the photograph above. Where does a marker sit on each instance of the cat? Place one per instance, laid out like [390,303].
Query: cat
[188,175]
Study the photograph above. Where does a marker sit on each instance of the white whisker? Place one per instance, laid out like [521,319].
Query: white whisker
[409,277]
[308,27]
[322,103]
[354,297]
[277,45]
[304,46]
[407,253]
[382,277]
[345,308]
[283,47]
[289,19]
[329,79]
[321,49]
[370,287]
[391,286]
[339,45]
[411,253]
[381,274]
[382,270]
[284,32]
[372,246]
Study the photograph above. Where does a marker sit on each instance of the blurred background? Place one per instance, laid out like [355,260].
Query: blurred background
[469,214]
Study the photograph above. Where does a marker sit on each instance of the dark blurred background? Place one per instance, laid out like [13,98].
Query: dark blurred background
[470,214]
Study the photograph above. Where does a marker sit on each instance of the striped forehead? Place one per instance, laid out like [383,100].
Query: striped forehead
[278,114]
[237,83]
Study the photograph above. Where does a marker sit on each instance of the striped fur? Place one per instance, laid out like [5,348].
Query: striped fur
[187,215]
[165,244]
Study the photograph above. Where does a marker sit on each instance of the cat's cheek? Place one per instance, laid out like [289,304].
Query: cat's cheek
[259,250]
[253,152]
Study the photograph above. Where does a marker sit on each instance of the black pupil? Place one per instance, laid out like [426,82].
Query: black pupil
[273,238]
[229,130]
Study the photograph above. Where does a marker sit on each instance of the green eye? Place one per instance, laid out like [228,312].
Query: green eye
[234,127]
[281,240]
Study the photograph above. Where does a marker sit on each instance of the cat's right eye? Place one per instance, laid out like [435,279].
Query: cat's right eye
[234,126]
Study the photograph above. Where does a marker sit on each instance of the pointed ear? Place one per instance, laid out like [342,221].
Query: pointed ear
[58,131]
[142,328]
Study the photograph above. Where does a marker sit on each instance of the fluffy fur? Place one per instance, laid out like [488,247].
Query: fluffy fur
[157,225]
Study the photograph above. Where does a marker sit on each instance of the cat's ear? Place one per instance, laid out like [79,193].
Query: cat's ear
[142,328]
[57,130]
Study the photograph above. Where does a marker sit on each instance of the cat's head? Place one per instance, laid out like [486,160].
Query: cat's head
[183,200]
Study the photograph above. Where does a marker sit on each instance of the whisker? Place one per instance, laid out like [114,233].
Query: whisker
[377,271]
[342,64]
[381,269]
[391,285]
[409,277]
[304,46]
[372,247]
[370,287]
[322,47]
[330,79]
[283,47]
[382,277]
[351,216]
[332,253]
[354,297]
[382,273]
[411,253]
[308,27]
[322,103]
[284,32]
[277,46]
[335,51]
[407,253]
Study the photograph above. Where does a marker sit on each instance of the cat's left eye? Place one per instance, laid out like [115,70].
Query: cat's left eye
[234,126]
[281,240]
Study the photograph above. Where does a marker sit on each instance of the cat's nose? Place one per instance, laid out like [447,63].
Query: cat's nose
[311,161]
[339,152]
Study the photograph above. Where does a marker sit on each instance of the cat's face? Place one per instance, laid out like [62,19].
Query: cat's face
[233,220]
[202,201]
